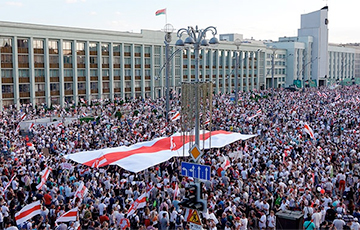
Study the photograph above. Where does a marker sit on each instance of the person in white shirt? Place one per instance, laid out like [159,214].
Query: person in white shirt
[243,222]
[262,221]
[316,217]
[271,220]
[355,224]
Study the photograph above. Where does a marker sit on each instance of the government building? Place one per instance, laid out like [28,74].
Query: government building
[59,65]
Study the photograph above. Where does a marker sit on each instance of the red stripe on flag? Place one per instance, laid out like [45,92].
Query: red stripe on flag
[28,212]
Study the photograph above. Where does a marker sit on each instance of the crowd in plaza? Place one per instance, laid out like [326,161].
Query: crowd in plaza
[282,168]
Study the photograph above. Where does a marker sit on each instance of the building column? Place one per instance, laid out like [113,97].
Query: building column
[217,72]
[152,73]
[75,75]
[247,71]
[61,73]
[47,72]
[122,71]
[211,63]
[1,98]
[173,73]
[241,65]
[99,70]
[87,71]
[142,71]
[16,73]
[111,71]
[132,70]
[189,68]
[31,70]
[223,64]
[258,54]
[252,70]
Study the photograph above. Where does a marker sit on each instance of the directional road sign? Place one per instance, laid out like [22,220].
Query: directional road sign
[201,172]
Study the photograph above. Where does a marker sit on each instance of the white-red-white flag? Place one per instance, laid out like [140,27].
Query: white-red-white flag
[84,114]
[258,112]
[318,93]
[176,116]
[324,95]
[9,183]
[207,122]
[82,100]
[226,163]
[176,191]
[337,97]
[45,175]
[309,131]
[31,127]
[140,202]
[23,116]
[81,192]
[68,216]
[28,212]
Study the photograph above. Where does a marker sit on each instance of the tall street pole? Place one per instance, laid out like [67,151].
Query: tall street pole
[237,43]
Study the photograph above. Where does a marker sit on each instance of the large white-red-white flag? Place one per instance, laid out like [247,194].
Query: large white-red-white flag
[45,175]
[140,202]
[28,212]
[309,131]
[143,155]
[68,216]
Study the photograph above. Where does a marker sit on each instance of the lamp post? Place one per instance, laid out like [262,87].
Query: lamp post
[168,29]
[303,69]
[196,38]
[237,43]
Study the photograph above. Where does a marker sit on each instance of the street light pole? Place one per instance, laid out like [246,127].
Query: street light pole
[196,38]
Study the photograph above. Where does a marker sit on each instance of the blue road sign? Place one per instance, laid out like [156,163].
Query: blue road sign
[201,172]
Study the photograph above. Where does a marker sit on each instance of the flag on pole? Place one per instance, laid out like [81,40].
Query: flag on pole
[176,116]
[176,191]
[226,163]
[9,183]
[28,212]
[84,114]
[309,131]
[45,175]
[140,202]
[68,216]
[160,12]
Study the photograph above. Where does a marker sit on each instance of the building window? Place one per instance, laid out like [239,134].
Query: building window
[93,72]
[22,43]
[53,47]
[105,72]
[67,59]
[81,73]
[23,59]
[39,73]
[81,86]
[67,47]
[6,73]
[106,85]
[93,60]
[23,73]
[116,60]
[6,58]
[117,73]
[68,86]
[105,60]
[80,59]
[105,47]
[7,88]
[92,47]
[24,88]
[39,87]
[54,59]
[54,73]
[54,86]
[38,44]
[68,73]
[93,85]
[38,59]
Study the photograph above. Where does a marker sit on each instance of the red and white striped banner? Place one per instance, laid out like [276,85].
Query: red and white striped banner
[176,116]
[81,192]
[309,131]
[143,155]
[9,183]
[28,212]
[68,216]
[45,175]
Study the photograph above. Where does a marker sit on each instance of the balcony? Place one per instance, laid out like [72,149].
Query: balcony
[7,80]
[147,55]
[127,54]
[106,78]
[23,65]
[54,65]
[68,78]
[117,78]
[147,77]
[106,90]
[39,79]
[94,91]
[23,50]
[40,94]
[148,66]
[117,66]
[81,65]
[105,53]
[184,66]
[39,65]
[81,78]
[93,52]
[137,77]
[6,50]
[127,89]
[54,79]
[8,95]
[6,65]
[137,89]
[53,51]
[117,90]
[138,66]
[55,93]
[93,65]
[80,52]
[127,66]
[24,79]
[81,91]
[106,66]
[93,78]
[128,78]
[147,88]
[68,92]
[116,53]
[67,65]
[137,54]
[24,94]
[38,51]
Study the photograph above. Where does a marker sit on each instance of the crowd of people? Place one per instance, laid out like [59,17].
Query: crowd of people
[282,168]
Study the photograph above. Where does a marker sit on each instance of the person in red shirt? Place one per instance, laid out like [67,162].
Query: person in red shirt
[47,199]
[104,218]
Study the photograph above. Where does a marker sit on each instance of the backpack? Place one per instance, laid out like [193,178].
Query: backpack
[178,219]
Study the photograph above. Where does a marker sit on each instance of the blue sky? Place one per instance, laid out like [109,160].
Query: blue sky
[260,19]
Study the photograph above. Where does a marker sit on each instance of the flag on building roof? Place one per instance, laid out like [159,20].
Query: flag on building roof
[160,12]
[28,212]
